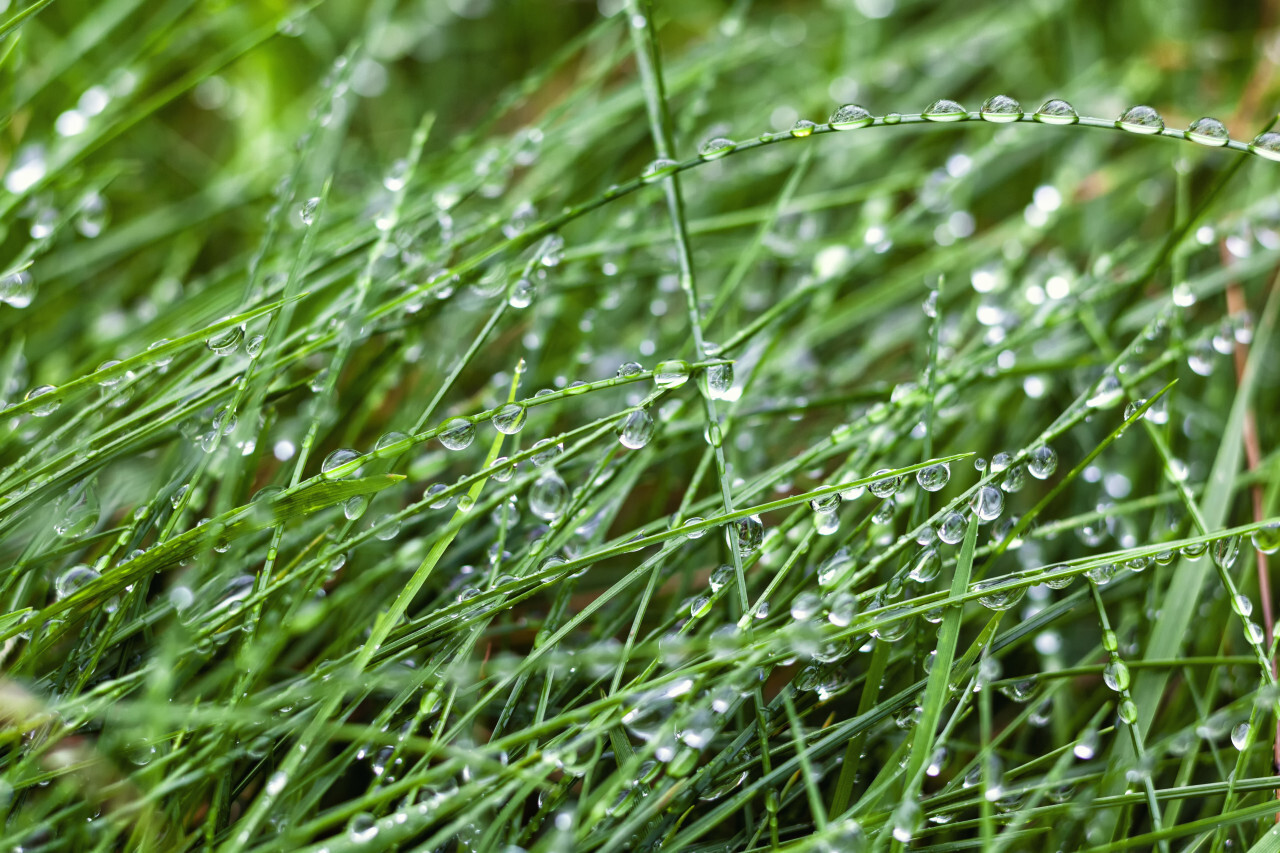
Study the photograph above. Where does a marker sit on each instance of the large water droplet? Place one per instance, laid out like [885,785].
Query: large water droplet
[850,116]
[45,407]
[1225,551]
[934,478]
[636,430]
[1002,600]
[952,527]
[887,487]
[1000,109]
[17,289]
[1116,675]
[1042,462]
[657,169]
[1208,131]
[1140,119]
[906,820]
[548,495]
[1240,736]
[337,459]
[671,374]
[226,342]
[750,534]
[457,433]
[72,580]
[945,110]
[1055,111]
[1266,145]
[719,381]
[987,503]
[1267,539]
[509,419]
[802,128]
[715,148]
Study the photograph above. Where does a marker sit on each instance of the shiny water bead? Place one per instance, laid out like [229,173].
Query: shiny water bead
[951,529]
[545,451]
[692,527]
[826,523]
[17,289]
[1266,145]
[658,168]
[522,293]
[1225,552]
[805,606]
[1042,462]
[719,381]
[1055,111]
[1267,539]
[509,419]
[834,567]
[716,147]
[386,444]
[636,430]
[457,433]
[629,368]
[307,211]
[721,577]
[927,567]
[893,118]
[253,345]
[1101,575]
[934,477]
[671,374]
[355,506]
[826,503]
[1140,119]
[849,117]
[1004,599]
[73,580]
[1240,736]
[987,503]
[226,342]
[750,534]
[802,128]
[548,496]
[44,407]
[1133,407]
[1116,675]
[1014,479]
[1208,131]
[945,110]
[886,487]
[337,459]
[1000,109]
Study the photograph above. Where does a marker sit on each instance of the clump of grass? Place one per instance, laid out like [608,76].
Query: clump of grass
[408,446]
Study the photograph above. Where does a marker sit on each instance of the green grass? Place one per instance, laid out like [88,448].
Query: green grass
[901,486]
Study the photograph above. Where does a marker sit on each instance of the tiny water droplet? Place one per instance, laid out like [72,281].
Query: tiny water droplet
[363,827]
[456,433]
[1267,539]
[522,294]
[45,407]
[1240,736]
[629,368]
[1116,675]
[945,110]
[73,580]
[658,169]
[1055,111]
[1001,108]
[1133,407]
[850,116]
[1140,119]
[17,289]
[1208,131]
[802,128]
[509,419]
[307,211]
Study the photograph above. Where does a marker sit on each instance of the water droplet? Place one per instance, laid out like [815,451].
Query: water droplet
[715,147]
[1266,145]
[73,580]
[1055,111]
[906,820]
[887,487]
[945,110]
[951,529]
[1208,131]
[1087,747]
[509,419]
[307,211]
[934,478]
[826,523]
[1241,604]
[930,305]
[1116,675]
[545,451]
[750,534]
[362,828]
[17,289]
[386,526]
[227,342]
[1132,408]
[849,117]
[987,503]
[276,783]
[928,566]
[1240,736]
[1042,462]
[629,368]
[1140,119]
[892,118]
[253,346]
[456,433]
[355,506]
[548,495]
[1001,108]
[826,503]
[1107,393]
[802,128]
[719,381]
[522,294]
[1225,552]
[671,374]
[636,430]
[44,408]
[1004,599]
[834,567]
[658,169]
[1101,575]
[1267,539]
[337,459]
